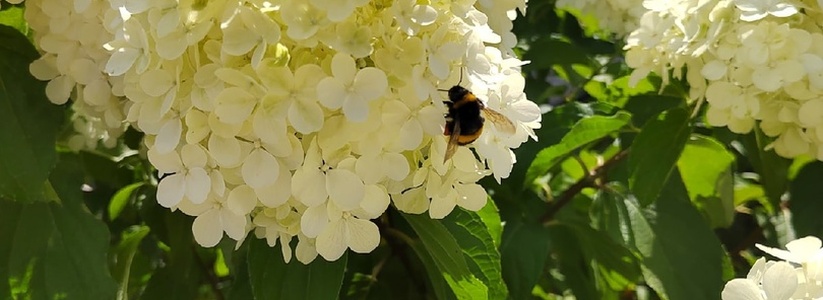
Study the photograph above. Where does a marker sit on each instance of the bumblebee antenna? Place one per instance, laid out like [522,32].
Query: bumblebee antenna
[459,81]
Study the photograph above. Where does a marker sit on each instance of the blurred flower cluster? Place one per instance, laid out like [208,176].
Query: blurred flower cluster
[619,17]
[756,63]
[290,119]
[798,276]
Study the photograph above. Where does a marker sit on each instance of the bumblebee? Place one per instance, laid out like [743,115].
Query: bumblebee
[465,119]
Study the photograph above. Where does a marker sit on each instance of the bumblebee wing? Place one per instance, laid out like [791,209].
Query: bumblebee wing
[500,121]
[451,147]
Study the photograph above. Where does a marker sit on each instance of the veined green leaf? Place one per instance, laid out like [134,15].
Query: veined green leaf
[524,250]
[448,257]
[54,250]
[805,201]
[679,261]
[28,122]
[655,152]
[706,168]
[272,278]
[585,131]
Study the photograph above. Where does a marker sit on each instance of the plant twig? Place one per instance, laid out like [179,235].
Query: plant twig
[578,186]
[396,238]
[209,274]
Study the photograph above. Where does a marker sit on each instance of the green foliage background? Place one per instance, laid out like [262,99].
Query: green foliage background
[627,195]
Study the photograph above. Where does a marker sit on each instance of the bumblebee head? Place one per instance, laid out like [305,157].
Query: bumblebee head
[457,92]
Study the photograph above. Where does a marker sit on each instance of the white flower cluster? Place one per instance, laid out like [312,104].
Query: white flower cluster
[71,34]
[799,276]
[756,62]
[291,119]
[615,16]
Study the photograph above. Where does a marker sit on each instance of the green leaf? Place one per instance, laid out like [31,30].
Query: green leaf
[55,250]
[181,274]
[565,53]
[272,278]
[655,152]
[448,257]
[585,131]
[479,248]
[524,251]
[706,168]
[681,256]
[574,264]
[772,168]
[805,200]
[13,16]
[490,216]
[121,198]
[125,252]
[608,212]
[645,107]
[438,283]
[28,122]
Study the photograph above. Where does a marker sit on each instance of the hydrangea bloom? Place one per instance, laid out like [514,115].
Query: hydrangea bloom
[756,63]
[281,119]
[616,16]
[800,276]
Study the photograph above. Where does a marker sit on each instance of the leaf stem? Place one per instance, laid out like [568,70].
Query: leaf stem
[209,274]
[587,181]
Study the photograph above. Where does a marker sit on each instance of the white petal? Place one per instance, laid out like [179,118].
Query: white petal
[156,82]
[286,248]
[59,89]
[207,229]
[779,253]
[198,185]
[171,189]
[309,186]
[171,46]
[395,166]
[345,189]
[98,92]
[442,206]
[371,83]
[343,67]
[305,252]
[330,92]
[368,168]
[410,135]
[272,131]
[276,194]
[362,236]
[331,242]
[260,169]
[471,196]
[305,117]
[780,281]
[237,40]
[193,155]
[804,248]
[314,220]
[356,108]
[218,184]
[375,202]
[233,224]
[741,289]
[165,163]
[226,151]
[413,201]
[242,200]
[121,61]
[234,105]
[169,136]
